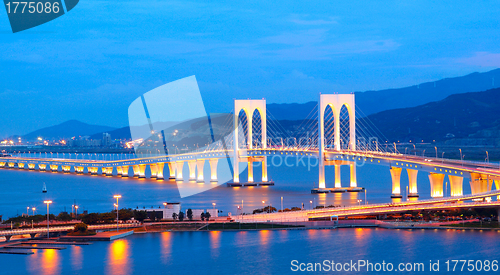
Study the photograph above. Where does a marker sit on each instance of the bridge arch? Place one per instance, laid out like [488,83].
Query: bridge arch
[257,129]
[329,118]
[243,129]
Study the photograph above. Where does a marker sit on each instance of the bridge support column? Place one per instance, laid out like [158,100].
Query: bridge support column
[199,165]
[353,175]
[109,171]
[396,182]
[192,169]
[264,170]
[31,166]
[79,169]
[125,171]
[179,166]
[338,184]
[154,170]
[436,184]
[119,170]
[171,170]
[136,170]
[412,178]
[250,170]
[142,171]
[478,183]
[7,238]
[213,169]
[32,235]
[159,170]
[456,185]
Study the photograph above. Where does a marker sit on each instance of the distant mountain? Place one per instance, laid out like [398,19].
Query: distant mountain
[468,115]
[68,129]
[120,133]
[371,102]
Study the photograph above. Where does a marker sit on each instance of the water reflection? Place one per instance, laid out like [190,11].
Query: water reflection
[50,262]
[166,246]
[76,257]
[118,257]
[214,239]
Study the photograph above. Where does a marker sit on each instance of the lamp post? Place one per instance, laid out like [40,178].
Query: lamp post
[76,212]
[27,211]
[435,148]
[117,197]
[311,202]
[487,157]
[164,205]
[461,157]
[33,209]
[48,231]
[281,204]
[213,204]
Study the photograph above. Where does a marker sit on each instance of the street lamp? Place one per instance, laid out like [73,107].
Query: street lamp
[117,197]
[213,204]
[311,202]
[281,204]
[33,209]
[487,157]
[48,203]
[165,205]
[27,211]
[76,212]
[435,147]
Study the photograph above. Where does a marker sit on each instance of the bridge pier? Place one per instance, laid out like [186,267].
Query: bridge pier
[213,169]
[136,170]
[32,235]
[79,169]
[250,170]
[172,167]
[456,185]
[125,171]
[154,170]
[478,183]
[199,165]
[412,178]
[109,171]
[159,170]
[353,175]
[396,182]
[142,171]
[7,238]
[436,180]
[192,170]
[338,184]
[264,170]
[179,166]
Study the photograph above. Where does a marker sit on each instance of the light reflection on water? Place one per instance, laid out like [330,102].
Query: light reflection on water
[253,252]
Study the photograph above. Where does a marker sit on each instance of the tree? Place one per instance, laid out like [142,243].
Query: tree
[207,216]
[125,214]
[64,216]
[140,215]
[91,218]
[107,217]
[152,216]
[181,216]
[174,216]
[202,216]
[81,227]
[189,214]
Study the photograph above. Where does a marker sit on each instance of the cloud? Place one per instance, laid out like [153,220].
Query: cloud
[483,59]
[330,21]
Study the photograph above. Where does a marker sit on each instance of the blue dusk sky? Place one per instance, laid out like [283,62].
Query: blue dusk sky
[91,63]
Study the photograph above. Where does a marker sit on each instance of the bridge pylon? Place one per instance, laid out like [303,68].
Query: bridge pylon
[335,102]
[249,106]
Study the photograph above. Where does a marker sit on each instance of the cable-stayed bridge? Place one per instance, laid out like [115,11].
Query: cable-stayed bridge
[250,136]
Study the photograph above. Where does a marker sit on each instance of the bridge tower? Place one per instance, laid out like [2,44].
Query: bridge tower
[249,106]
[336,102]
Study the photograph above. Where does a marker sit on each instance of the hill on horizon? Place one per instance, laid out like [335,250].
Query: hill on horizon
[68,129]
[371,102]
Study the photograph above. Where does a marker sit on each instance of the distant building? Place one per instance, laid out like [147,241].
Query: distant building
[106,139]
